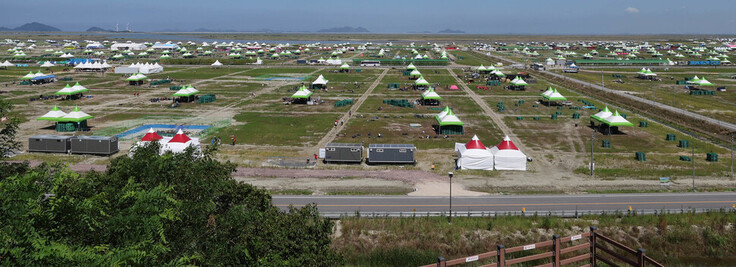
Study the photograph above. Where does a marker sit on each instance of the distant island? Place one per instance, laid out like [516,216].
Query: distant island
[450,31]
[344,30]
[31,27]
[97,29]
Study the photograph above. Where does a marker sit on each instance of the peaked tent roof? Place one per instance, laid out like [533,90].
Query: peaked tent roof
[431,94]
[320,80]
[77,115]
[617,120]
[411,66]
[605,113]
[421,81]
[151,135]
[506,144]
[52,115]
[475,143]
[303,92]
[450,119]
[180,137]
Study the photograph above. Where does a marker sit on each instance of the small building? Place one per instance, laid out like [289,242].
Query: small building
[344,153]
[391,154]
[49,143]
[95,145]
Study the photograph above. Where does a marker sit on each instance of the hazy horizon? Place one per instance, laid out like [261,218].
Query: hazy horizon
[534,17]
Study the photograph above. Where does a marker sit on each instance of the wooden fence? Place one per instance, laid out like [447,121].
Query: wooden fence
[586,249]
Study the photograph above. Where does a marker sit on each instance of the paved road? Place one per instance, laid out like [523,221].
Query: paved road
[500,204]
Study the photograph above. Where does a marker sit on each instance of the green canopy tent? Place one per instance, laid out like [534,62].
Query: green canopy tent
[430,97]
[186,94]
[345,67]
[414,74]
[72,91]
[552,95]
[421,83]
[136,79]
[73,121]
[411,67]
[301,96]
[449,123]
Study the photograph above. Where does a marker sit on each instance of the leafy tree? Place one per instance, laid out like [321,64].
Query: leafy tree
[8,129]
[150,210]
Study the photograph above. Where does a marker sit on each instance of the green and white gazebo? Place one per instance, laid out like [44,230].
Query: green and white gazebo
[345,67]
[449,123]
[136,79]
[301,96]
[70,91]
[518,84]
[54,115]
[415,74]
[411,67]
[552,95]
[421,83]
[430,97]
[186,94]
[73,121]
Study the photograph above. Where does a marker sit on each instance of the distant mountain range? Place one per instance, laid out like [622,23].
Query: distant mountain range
[344,30]
[97,29]
[450,31]
[31,27]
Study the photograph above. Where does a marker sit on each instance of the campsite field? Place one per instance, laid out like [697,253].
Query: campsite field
[252,106]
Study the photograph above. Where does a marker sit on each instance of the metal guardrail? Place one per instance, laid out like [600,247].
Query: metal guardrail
[562,213]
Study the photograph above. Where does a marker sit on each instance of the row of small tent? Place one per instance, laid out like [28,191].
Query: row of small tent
[91,65]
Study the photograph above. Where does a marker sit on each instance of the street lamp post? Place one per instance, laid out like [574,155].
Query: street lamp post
[693,160]
[592,162]
[450,175]
[732,155]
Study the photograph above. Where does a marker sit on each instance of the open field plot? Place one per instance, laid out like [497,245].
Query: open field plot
[396,129]
[720,106]
[560,139]
[470,58]
[278,129]
[275,103]
[459,104]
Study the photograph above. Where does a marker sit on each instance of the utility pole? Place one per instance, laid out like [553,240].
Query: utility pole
[693,160]
[603,83]
[592,162]
[731,155]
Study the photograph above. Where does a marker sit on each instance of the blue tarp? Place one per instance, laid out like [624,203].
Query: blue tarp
[43,77]
[76,61]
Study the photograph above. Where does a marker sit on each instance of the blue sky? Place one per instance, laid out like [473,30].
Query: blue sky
[385,16]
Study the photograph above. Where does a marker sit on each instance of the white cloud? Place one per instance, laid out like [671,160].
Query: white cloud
[632,10]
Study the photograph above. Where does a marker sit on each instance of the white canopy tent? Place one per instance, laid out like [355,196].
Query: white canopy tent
[474,155]
[506,156]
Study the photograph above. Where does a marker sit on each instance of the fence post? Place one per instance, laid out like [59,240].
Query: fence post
[441,262]
[592,246]
[501,259]
[640,257]
[556,248]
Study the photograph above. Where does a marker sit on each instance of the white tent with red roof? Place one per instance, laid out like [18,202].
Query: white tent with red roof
[474,155]
[506,156]
[180,142]
[151,135]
